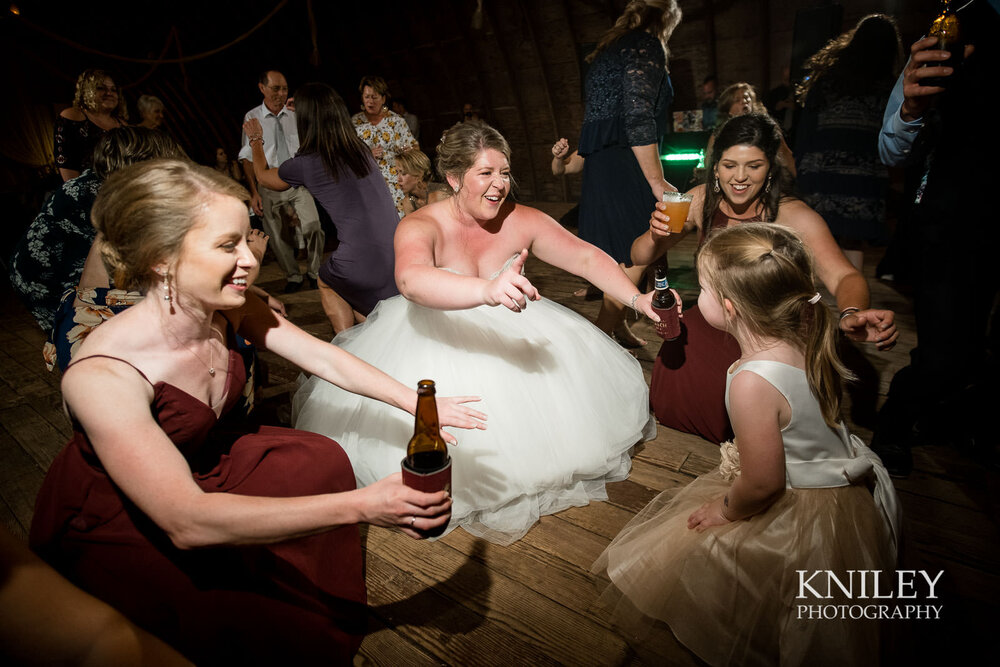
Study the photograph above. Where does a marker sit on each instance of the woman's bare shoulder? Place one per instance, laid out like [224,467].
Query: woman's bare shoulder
[426,222]
[793,211]
[72,113]
[697,194]
[429,214]
[112,352]
[524,212]
[124,334]
[697,204]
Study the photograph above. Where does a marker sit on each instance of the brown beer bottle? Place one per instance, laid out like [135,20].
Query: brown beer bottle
[665,306]
[948,29]
[427,451]
[427,466]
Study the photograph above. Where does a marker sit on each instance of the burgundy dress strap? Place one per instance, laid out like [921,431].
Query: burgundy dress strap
[108,356]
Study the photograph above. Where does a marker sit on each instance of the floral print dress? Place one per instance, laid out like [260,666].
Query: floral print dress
[49,258]
[393,136]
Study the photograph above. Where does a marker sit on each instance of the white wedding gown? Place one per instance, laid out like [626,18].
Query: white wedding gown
[565,405]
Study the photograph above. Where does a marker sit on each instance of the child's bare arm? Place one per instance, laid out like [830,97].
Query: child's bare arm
[758,412]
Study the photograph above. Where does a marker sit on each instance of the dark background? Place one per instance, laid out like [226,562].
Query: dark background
[521,64]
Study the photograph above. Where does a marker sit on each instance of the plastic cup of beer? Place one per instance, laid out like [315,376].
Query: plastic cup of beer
[678,204]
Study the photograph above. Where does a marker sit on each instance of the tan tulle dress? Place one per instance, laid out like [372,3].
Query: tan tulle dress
[729,593]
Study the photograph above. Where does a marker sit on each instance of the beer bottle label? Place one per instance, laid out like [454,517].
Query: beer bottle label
[661,283]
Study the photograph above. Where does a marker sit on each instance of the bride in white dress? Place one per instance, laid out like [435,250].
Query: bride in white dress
[565,403]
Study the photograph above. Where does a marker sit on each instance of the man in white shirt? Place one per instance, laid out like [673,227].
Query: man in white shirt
[281,141]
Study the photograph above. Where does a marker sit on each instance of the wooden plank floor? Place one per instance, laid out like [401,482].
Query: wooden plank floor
[464,601]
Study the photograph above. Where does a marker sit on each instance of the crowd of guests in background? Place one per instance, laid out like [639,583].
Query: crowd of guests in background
[141,268]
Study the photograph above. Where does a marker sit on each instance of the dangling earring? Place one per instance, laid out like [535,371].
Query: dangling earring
[166,285]
[716,187]
[767,186]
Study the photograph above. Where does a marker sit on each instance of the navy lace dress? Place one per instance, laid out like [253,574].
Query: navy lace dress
[628,99]
[839,172]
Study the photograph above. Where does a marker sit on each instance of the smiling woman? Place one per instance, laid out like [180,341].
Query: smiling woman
[744,171]
[748,182]
[97,107]
[566,403]
[146,501]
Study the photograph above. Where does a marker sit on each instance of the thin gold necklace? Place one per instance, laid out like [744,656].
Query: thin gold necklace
[211,352]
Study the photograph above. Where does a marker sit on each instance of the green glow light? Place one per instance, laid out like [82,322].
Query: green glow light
[682,157]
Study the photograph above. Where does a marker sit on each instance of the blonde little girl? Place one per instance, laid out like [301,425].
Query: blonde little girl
[720,562]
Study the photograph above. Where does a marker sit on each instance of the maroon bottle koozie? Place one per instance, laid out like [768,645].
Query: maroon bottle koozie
[669,326]
[428,482]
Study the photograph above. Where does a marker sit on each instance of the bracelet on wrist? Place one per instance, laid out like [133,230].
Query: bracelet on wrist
[847,311]
[258,137]
[634,299]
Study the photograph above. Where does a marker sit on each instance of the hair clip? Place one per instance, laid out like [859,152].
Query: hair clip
[815,298]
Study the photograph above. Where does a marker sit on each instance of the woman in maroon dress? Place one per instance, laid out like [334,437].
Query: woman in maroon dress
[137,507]
[748,182]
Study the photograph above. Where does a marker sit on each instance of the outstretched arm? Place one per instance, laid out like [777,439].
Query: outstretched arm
[841,278]
[554,245]
[246,165]
[256,322]
[267,177]
[422,282]
[150,470]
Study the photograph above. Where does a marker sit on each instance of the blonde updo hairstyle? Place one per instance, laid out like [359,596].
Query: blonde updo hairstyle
[766,273]
[144,211]
[461,145]
[415,163]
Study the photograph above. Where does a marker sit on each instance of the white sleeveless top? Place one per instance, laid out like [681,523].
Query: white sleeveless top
[817,456]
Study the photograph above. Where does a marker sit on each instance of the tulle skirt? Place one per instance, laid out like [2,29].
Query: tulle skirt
[565,406]
[729,593]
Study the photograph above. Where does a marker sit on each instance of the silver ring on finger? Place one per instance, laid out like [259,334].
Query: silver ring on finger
[413,520]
